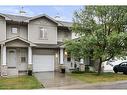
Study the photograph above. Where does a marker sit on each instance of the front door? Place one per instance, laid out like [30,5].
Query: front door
[11,58]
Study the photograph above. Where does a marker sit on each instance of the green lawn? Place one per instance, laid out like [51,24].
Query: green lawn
[20,82]
[94,78]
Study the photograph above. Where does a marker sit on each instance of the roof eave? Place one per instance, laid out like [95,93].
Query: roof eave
[14,38]
[6,18]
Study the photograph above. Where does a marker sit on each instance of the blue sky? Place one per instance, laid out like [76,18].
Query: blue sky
[65,12]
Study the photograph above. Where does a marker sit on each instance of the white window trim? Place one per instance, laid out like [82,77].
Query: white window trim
[14,32]
[43,33]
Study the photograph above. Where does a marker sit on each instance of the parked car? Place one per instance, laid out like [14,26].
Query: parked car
[108,65]
[122,67]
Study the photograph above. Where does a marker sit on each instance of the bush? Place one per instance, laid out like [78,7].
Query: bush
[78,72]
[87,68]
[29,72]
[62,70]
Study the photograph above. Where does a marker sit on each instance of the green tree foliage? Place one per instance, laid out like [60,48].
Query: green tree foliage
[102,31]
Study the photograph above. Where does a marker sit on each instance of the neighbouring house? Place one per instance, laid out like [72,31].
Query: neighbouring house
[34,43]
[108,65]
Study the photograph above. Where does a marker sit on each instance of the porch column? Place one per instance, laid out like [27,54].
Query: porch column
[29,58]
[29,55]
[4,56]
[61,56]
[3,61]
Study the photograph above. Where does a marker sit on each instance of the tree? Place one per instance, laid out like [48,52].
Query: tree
[102,31]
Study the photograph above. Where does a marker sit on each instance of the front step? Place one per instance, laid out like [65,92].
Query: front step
[24,72]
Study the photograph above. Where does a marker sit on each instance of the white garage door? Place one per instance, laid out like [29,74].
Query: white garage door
[43,63]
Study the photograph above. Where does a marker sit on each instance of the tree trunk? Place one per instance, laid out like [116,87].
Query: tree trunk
[91,57]
[99,67]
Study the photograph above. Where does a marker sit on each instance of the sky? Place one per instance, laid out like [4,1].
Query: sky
[64,12]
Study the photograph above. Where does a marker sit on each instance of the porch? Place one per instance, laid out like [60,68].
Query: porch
[15,57]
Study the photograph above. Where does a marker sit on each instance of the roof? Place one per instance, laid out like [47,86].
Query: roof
[15,17]
[19,18]
[64,23]
[50,45]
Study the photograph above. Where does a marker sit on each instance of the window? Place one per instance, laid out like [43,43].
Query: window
[23,59]
[68,58]
[123,64]
[14,30]
[66,35]
[43,33]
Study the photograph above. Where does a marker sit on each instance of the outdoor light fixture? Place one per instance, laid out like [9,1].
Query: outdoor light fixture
[56,55]
[65,53]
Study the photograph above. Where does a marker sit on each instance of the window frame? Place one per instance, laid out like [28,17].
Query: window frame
[43,33]
[14,27]
[24,59]
[123,64]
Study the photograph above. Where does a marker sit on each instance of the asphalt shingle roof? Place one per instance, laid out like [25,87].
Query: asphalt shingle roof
[16,17]
[64,23]
[25,18]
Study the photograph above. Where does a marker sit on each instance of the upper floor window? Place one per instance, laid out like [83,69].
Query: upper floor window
[14,30]
[43,33]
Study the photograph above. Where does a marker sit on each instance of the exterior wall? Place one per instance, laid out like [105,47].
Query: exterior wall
[17,43]
[22,52]
[0,56]
[41,51]
[34,31]
[22,31]
[67,63]
[63,35]
[2,29]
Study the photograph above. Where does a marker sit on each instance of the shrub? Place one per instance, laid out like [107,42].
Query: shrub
[78,72]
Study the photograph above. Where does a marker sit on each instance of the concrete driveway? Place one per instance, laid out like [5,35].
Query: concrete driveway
[56,79]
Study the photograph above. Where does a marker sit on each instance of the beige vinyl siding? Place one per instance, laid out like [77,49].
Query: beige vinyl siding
[17,43]
[21,31]
[2,29]
[34,31]
[63,35]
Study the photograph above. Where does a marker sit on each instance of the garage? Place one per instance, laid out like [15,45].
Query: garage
[43,63]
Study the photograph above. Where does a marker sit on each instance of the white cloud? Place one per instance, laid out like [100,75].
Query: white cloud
[58,8]
[60,11]
[29,12]
[15,10]
[9,10]
[63,18]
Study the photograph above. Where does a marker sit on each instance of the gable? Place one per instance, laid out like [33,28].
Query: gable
[34,30]
[17,43]
[43,21]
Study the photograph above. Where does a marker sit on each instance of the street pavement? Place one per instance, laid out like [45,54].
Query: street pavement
[122,85]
